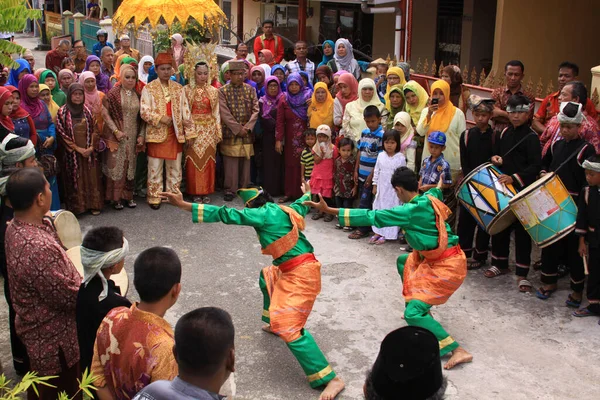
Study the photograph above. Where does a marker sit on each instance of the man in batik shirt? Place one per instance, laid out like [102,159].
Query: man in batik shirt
[514,72]
[239,112]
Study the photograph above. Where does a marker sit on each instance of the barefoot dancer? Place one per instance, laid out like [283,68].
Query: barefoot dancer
[437,266]
[291,285]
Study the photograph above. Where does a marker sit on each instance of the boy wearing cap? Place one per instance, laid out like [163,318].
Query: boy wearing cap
[568,154]
[517,153]
[476,148]
[435,166]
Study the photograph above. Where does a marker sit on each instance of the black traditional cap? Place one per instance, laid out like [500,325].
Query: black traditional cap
[408,365]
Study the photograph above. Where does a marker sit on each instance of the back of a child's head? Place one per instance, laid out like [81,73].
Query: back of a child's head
[155,271]
[517,100]
[392,134]
[346,142]
[204,339]
[406,179]
[103,238]
[371,111]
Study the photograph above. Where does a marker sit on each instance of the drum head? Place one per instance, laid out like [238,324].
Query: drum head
[121,279]
[68,228]
[501,221]
[534,186]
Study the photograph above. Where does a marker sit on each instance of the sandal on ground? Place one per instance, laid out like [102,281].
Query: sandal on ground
[379,241]
[584,312]
[131,204]
[338,226]
[357,234]
[474,264]
[348,229]
[374,238]
[494,271]
[525,286]
[197,199]
[155,206]
[228,197]
[328,218]
[572,302]
[205,199]
[544,294]
[317,216]
[95,212]
[283,199]
[406,248]
[117,206]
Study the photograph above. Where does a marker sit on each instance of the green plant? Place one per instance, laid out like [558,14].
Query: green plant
[13,16]
[86,385]
[193,32]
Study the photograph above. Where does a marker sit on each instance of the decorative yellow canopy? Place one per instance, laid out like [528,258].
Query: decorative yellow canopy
[156,12]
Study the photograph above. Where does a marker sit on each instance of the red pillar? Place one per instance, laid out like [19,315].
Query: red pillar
[301,19]
[240,18]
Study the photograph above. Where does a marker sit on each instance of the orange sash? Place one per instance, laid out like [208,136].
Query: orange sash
[284,244]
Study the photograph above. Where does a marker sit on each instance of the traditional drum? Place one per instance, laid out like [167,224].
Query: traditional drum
[68,228]
[546,210]
[486,199]
[120,279]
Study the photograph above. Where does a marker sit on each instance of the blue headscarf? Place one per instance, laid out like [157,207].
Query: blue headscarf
[326,59]
[297,102]
[282,84]
[305,74]
[13,77]
[152,74]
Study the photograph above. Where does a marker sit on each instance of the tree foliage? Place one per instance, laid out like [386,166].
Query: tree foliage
[13,16]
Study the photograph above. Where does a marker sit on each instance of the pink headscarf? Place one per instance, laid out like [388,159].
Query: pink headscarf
[33,105]
[92,97]
[347,79]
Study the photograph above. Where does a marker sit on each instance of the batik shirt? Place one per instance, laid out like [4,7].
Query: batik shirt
[344,177]
[239,111]
[43,285]
[133,348]
[501,95]
[432,170]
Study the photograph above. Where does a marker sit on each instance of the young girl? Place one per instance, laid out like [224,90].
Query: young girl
[408,146]
[46,97]
[49,78]
[67,63]
[388,161]
[322,175]
[344,186]
[320,111]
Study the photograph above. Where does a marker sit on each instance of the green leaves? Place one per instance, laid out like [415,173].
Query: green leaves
[13,16]
[32,380]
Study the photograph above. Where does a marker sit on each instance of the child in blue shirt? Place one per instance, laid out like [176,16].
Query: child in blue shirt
[435,165]
[369,146]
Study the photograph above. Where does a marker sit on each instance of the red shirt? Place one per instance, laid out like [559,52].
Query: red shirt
[54,61]
[275,44]
[550,107]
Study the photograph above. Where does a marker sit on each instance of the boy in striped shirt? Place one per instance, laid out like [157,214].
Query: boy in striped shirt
[307,160]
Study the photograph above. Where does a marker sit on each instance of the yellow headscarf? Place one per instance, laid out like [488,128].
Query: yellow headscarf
[440,121]
[419,91]
[52,106]
[393,71]
[321,113]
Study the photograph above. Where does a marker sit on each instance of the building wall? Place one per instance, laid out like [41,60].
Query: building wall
[252,18]
[424,25]
[543,33]
[383,35]
[477,44]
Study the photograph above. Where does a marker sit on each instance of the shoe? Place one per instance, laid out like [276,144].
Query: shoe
[228,197]
[155,206]
[131,204]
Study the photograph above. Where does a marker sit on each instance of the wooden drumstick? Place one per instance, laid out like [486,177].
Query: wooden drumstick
[585,266]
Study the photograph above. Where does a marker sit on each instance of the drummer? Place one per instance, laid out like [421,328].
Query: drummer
[103,254]
[518,155]
[475,149]
[571,151]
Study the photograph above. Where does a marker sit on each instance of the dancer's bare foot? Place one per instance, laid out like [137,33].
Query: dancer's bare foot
[267,328]
[333,388]
[459,356]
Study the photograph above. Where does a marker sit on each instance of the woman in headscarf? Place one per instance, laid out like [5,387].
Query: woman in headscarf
[93,97]
[145,63]
[408,145]
[79,141]
[304,76]
[93,63]
[46,97]
[272,168]
[122,132]
[328,51]
[224,74]
[353,122]
[6,108]
[395,76]
[258,77]
[324,74]
[279,71]
[292,120]
[320,111]
[416,98]
[203,137]
[18,72]
[266,57]
[458,93]
[347,92]
[124,59]
[22,121]
[29,90]
[396,104]
[344,58]
[49,78]
[38,73]
[65,78]
[443,117]
[178,48]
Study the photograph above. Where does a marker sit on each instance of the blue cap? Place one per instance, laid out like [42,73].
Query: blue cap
[437,137]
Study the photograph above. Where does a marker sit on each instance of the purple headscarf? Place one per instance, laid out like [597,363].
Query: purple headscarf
[33,105]
[269,102]
[102,82]
[298,101]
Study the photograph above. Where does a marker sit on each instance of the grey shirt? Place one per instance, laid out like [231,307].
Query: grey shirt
[175,389]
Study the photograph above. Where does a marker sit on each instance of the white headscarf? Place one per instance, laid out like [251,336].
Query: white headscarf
[345,62]
[94,261]
[576,117]
[11,157]
[143,76]
[267,70]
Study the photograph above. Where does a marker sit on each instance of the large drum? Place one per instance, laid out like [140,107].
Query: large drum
[486,199]
[68,228]
[546,210]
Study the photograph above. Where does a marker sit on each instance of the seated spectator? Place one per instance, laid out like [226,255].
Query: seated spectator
[205,353]
[103,254]
[407,367]
[134,346]
[43,284]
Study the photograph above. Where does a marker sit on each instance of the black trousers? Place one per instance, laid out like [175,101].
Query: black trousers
[593,279]
[501,249]
[366,201]
[19,352]
[343,202]
[467,226]
[555,254]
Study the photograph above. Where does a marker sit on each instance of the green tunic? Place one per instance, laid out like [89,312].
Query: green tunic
[416,218]
[269,221]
